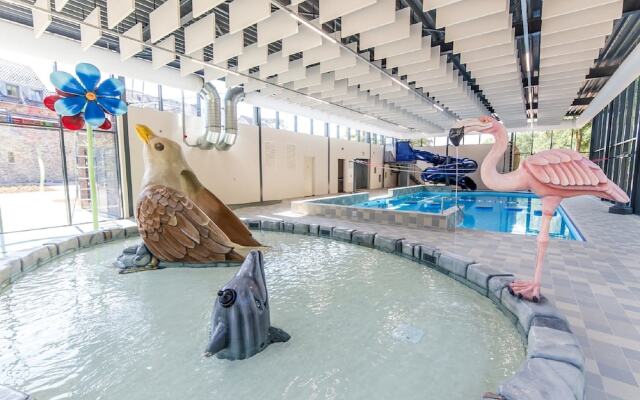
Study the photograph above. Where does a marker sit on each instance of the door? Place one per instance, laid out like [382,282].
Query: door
[361,174]
[340,175]
[309,176]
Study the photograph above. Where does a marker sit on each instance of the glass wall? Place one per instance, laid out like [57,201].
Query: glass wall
[171,99]
[142,94]
[268,117]
[318,127]
[304,125]
[614,143]
[287,121]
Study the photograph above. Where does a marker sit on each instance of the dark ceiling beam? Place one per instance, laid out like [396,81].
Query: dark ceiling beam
[535,25]
[594,73]
[437,38]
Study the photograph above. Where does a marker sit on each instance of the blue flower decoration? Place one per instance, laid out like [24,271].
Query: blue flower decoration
[88,96]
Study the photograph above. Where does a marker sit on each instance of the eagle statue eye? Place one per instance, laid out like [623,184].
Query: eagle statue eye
[159,146]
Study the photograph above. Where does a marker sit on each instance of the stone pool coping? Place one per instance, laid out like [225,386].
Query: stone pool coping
[343,207]
[554,366]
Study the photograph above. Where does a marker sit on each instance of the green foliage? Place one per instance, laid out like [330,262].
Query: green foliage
[532,142]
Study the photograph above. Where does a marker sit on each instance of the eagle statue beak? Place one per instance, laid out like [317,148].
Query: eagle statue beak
[144,133]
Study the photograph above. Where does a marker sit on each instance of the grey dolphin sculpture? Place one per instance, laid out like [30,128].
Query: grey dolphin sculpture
[240,322]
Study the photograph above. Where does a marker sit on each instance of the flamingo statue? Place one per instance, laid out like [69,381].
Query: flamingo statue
[553,175]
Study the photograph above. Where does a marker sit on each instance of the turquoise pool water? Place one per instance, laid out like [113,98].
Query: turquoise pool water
[510,212]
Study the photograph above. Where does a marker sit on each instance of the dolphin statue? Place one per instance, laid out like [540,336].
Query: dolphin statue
[240,322]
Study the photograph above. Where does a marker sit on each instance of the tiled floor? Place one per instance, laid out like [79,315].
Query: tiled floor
[595,283]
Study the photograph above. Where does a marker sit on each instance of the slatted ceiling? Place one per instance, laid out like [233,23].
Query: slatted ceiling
[332,9]
[244,13]
[496,38]
[295,71]
[327,51]
[187,66]
[118,10]
[488,53]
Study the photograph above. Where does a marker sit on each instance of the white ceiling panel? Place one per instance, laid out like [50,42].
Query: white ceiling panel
[165,53]
[278,26]
[41,20]
[117,10]
[60,4]
[252,56]
[575,35]
[422,55]
[588,17]
[346,60]
[88,34]
[164,19]
[477,27]
[484,41]
[276,64]
[129,48]
[202,6]
[212,74]
[467,10]
[399,47]
[244,13]
[305,39]
[376,15]
[557,8]
[188,66]
[295,71]
[332,9]
[228,46]
[428,5]
[328,51]
[360,68]
[398,30]
[200,34]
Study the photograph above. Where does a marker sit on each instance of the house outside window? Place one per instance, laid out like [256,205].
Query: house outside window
[13,90]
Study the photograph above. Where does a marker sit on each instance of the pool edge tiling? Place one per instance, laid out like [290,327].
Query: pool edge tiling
[554,365]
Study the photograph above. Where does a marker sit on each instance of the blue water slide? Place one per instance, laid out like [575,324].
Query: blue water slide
[444,170]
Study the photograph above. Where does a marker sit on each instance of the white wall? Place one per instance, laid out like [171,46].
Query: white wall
[231,175]
[475,152]
[283,154]
[234,175]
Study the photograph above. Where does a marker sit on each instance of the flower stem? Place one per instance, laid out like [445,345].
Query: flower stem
[92,178]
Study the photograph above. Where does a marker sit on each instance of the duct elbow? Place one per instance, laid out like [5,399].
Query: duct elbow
[231,100]
[213,119]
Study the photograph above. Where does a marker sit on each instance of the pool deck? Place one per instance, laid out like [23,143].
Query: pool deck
[595,283]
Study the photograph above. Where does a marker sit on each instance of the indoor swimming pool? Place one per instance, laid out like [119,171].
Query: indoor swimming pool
[509,212]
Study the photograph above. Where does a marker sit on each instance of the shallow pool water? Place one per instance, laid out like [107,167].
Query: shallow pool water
[509,212]
[364,324]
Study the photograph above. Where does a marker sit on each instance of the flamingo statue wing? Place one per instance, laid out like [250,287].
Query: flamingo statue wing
[568,170]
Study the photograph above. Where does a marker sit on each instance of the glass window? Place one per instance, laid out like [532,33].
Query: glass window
[142,94]
[245,114]
[12,90]
[472,138]
[333,131]
[286,121]
[304,124]
[171,99]
[486,138]
[268,117]
[344,132]
[318,127]
[190,102]
[441,140]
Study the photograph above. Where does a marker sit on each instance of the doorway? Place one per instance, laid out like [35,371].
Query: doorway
[361,174]
[309,176]
[340,175]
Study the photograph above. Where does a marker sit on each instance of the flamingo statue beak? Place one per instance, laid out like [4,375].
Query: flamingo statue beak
[457,131]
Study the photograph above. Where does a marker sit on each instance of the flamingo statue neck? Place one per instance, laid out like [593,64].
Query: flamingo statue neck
[488,170]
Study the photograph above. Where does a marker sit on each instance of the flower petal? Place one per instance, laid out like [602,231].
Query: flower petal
[111,87]
[106,125]
[89,75]
[66,82]
[93,114]
[70,105]
[73,122]
[50,100]
[112,105]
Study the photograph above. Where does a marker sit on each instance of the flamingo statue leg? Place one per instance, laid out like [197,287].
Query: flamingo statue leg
[530,290]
